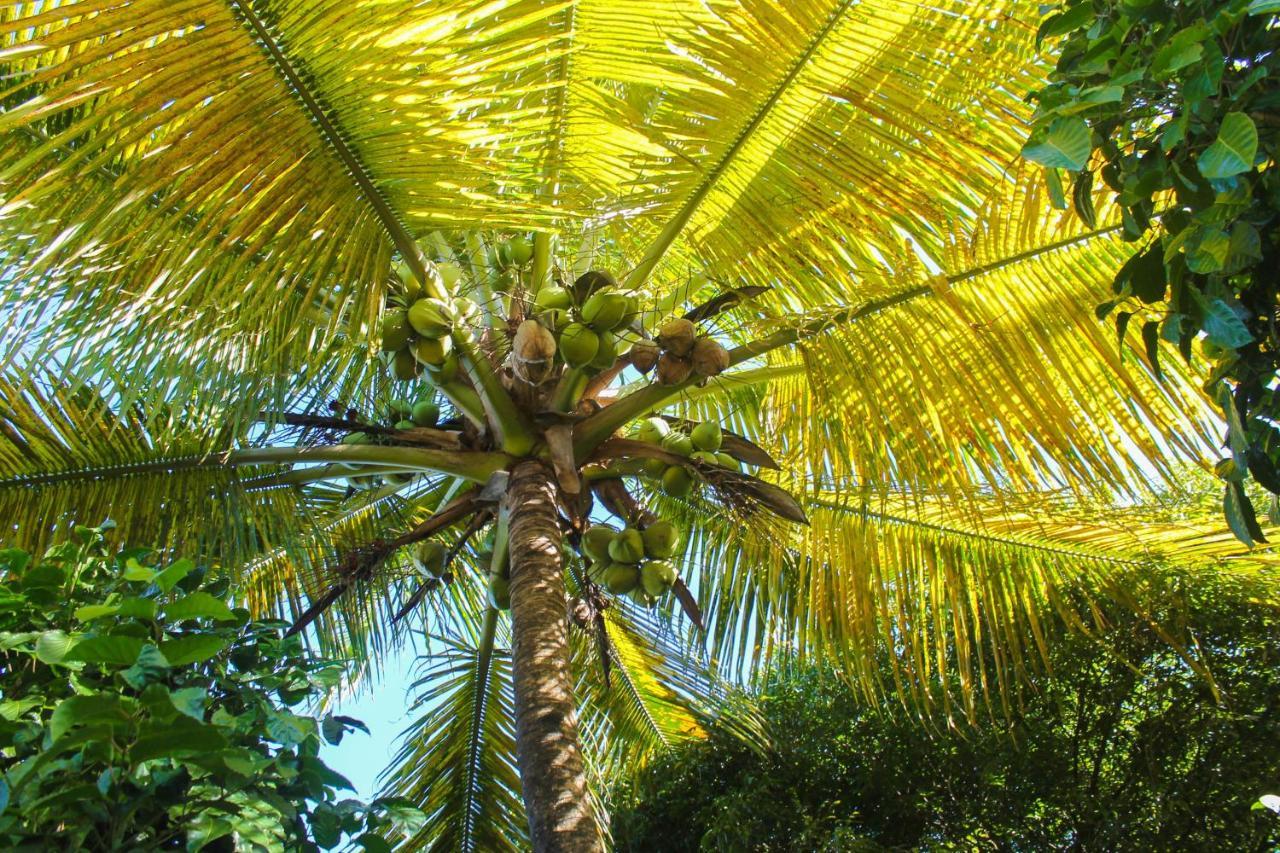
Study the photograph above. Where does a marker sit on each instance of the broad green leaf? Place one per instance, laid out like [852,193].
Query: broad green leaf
[1061,23]
[190,701]
[1183,49]
[52,646]
[1207,249]
[1064,144]
[1233,151]
[174,573]
[287,728]
[97,709]
[1240,515]
[149,668]
[140,608]
[183,736]
[95,611]
[135,571]
[197,605]
[116,649]
[44,575]
[373,843]
[4,795]
[196,649]
[1223,326]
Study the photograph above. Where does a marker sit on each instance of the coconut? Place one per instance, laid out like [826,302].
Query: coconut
[406,366]
[706,457]
[405,424]
[553,297]
[520,250]
[660,539]
[657,577]
[396,331]
[654,468]
[652,430]
[500,592]
[620,578]
[642,598]
[425,412]
[446,371]
[534,351]
[678,443]
[409,283]
[596,539]
[707,436]
[607,353]
[591,281]
[578,345]
[644,355]
[672,370]
[676,481]
[430,318]
[450,273]
[429,556]
[724,460]
[708,357]
[605,310]
[432,351]
[677,336]
[627,546]
[398,410]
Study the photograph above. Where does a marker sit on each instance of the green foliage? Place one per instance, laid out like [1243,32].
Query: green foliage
[1099,756]
[138,711]
[1175,107]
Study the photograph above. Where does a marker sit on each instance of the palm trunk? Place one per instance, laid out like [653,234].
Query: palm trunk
[551,773]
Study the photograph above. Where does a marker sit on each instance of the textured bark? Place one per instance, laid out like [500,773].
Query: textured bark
[551,773]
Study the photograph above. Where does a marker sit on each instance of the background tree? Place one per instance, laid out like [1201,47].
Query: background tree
[1118,746]
[205,206]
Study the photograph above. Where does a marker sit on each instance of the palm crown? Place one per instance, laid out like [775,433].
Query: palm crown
[204,205]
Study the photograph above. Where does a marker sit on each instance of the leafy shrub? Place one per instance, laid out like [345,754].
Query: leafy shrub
[138,711]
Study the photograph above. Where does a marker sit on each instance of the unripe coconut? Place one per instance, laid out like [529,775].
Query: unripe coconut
[553,297]
[644,355]
[408,282]
[627,546]
[604,310]
[533,352]
[672,370]
[707,436]
[520,250]
[425,413]
[596,539]
[406,366]
[676,481]
[657,577]
[398,409]
[708,357]
[642,598]
[500,592]
[677,337]
[556,319]
[429,318]
[396,331]
[429,556]
[633,311]
[591,281]
[356,438]
[405,424]
[660,539]
[578,345]
[445,372]
[678,443]
[654,468]
[607,353]
[450,273]
[620,578]
[432,351]
[724,460]
[706,457]
[652,430]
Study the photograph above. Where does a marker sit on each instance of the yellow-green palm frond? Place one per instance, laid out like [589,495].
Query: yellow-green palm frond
[946,590]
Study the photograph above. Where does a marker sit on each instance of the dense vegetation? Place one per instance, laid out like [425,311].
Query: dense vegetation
[1098,757]
[138,711]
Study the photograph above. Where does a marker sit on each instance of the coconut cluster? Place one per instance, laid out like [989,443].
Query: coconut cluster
[583,322]
[398,414]
[684,354]
[633,561]
[700,445]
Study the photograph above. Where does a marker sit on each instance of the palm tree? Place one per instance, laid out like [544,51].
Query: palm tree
[204,202]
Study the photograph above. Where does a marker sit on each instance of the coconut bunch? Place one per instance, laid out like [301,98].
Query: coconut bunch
[586,320]
[417,330]
[633,561]
[700,445]
[684,354]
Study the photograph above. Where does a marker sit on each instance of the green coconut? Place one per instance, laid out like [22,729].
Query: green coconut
[409,283]
[432,351]
[627,546]
[606,353]
[430,318]
[657,577]
[604,310]
[425,413]
[724,460]
[596,539]
[661,539]
[405,424]
[396,331]
[500,592]
[447,371]
[707,436]
[578,345]
[406,366]
[553,297]
[654,468]
[520,250]
[620,578]
[678,443]
[429,556]
[398,409]
[706,457]
[676,481]
[652,430]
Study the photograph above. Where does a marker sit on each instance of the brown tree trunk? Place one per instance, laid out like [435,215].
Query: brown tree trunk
[551,772]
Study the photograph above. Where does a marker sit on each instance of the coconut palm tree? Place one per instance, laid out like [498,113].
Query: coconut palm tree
[215,213]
